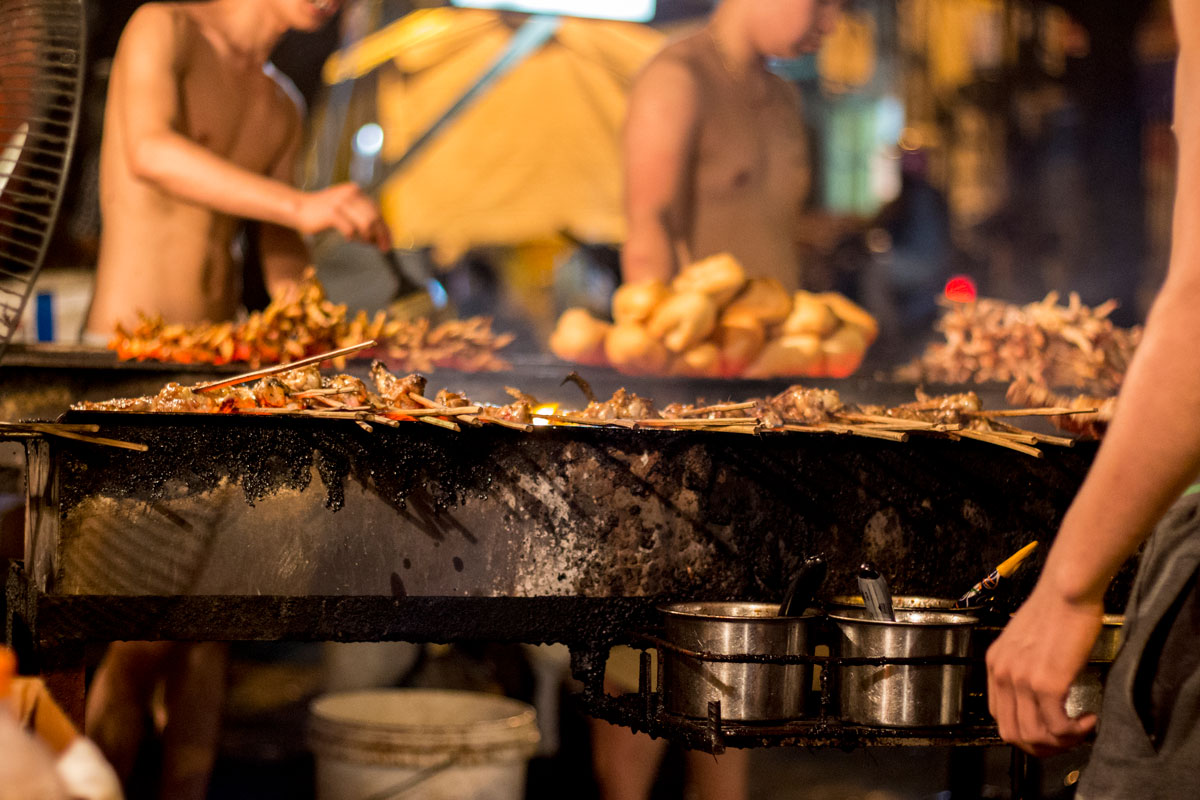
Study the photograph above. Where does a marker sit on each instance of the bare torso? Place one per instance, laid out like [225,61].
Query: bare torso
[160,254]
[751,171]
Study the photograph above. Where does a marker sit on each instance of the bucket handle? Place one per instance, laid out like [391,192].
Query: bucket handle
[413,781]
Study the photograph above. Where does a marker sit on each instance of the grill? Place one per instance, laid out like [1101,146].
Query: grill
[41,74]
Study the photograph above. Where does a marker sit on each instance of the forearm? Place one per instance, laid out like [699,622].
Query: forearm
[648,253]
[284,257]
[187,170]
[1150,453]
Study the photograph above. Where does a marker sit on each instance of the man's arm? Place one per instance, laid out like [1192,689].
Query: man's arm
[1149,455]
[660,132]
[147,93]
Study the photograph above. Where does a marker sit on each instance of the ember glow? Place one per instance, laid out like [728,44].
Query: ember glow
[542,412]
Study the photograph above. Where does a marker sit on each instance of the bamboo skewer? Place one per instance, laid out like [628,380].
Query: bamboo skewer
[79,433]
[1032,412]
[692,424]
[59,426]
[438,411]
[717,409]
[853,430]
[441,423]
[581,420]
[506,423]
[265,371]
[421,400]
[992,438]
[892,422]
[1060,441]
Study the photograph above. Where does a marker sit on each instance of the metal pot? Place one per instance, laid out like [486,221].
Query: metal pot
[1087,690]
[895,695]
[747,691]
[898,601]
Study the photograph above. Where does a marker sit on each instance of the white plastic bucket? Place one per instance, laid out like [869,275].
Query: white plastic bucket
[397,744]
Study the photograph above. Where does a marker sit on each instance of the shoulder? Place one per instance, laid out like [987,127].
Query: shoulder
[286,98]
[157,21]
[672,76]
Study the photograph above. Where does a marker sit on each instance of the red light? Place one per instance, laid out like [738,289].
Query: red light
[961,289]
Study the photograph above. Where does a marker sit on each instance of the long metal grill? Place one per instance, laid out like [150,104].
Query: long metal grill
[41,76]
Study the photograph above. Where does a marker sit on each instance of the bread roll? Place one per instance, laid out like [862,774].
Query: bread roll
[579,337]
[765,299]
[740,340]
[787,356]
[810,315]
[844,351]
[683,321]
[635,302]
[852,314]
[720,277]
[631,349]
[702,361]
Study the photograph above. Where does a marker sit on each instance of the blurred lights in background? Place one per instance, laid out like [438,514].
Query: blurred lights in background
[368,141]
[631,10]
[961,289]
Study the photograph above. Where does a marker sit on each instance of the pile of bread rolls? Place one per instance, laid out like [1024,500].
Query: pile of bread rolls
[713,321]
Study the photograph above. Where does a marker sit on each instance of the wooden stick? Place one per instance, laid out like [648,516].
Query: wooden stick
[440,411]
[735,429]
[691,424]
[391,423]
[1060,441]
[875,433]
[1032,412]
[304,362]
[441,423]
[1023,438]
[320,393]
[822,428]
[581,420]
[506,423]
[694,412]
[48,430]
[422,400]
[893,422]
[60,426]
[992,438]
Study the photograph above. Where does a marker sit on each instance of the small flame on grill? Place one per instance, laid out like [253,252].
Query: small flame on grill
[544,410]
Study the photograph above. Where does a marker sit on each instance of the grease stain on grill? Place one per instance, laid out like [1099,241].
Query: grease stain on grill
[588,512]
[458,564]
[398,589]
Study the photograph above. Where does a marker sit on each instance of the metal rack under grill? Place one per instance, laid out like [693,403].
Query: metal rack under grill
[41,75]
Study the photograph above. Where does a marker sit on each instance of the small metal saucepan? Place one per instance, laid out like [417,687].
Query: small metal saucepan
[902,695]
[1087,691]
[747,691]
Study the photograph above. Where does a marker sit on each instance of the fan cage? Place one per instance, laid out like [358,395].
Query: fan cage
[42,60]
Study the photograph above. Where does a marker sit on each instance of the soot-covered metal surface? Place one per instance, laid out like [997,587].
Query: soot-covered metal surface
[227,505]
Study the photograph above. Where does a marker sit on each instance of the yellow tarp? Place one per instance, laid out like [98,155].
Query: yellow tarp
[537,153]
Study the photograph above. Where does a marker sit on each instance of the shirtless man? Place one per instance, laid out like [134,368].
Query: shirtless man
[198,132]
[1149,738]
[716,160]
[716,156]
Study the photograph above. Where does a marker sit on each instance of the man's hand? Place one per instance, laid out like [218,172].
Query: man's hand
[347,210]
[1031,668]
